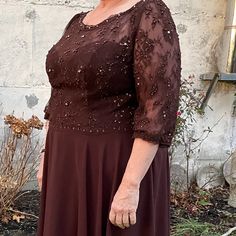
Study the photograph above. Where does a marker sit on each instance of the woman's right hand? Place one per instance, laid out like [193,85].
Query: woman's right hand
[40,171]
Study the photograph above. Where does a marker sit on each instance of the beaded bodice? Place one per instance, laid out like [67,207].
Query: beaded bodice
[121,75]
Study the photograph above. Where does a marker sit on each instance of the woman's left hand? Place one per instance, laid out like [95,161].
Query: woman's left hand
[124,206]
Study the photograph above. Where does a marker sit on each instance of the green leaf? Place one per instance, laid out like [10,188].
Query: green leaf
[204,203]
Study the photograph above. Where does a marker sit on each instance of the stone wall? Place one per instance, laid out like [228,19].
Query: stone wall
[30,27]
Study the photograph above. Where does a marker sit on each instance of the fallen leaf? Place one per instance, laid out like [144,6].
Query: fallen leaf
[18,217]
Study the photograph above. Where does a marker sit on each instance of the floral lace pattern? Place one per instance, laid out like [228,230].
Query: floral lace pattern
[121,75]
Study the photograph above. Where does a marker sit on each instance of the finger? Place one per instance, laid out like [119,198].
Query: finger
[112,217]
[126,220]
[132,217]
[118,220]
[39,186]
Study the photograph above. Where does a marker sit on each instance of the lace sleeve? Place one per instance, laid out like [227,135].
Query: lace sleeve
[46,112]
[47,108]
[157,72]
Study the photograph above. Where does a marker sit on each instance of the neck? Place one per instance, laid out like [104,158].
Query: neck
[108,3]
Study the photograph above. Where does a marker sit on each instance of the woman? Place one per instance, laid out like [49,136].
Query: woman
[115,79]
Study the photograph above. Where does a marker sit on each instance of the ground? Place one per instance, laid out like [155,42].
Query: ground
[194,213]
[200,212]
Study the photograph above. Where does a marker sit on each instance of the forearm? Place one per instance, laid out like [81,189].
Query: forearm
[141,157]
[46,126]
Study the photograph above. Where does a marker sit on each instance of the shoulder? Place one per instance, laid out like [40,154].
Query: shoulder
[156,6]
[156,18]
[72,19]
[155,11]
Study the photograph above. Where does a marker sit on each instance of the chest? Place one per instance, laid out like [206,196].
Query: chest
[84,57]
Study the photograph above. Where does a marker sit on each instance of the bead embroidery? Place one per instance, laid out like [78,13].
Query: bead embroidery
[121,75]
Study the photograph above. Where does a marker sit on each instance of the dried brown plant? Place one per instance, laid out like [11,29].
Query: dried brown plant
[18,159]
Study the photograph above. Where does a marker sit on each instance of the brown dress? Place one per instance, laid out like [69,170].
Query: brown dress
[111,82]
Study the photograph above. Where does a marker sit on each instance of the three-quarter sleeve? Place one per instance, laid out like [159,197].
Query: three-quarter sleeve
[157,73]
[46,111]
[47,108]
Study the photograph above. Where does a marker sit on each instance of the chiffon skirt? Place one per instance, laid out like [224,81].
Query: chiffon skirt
[81,174]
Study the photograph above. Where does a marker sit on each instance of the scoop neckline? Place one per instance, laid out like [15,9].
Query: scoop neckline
[108,18]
